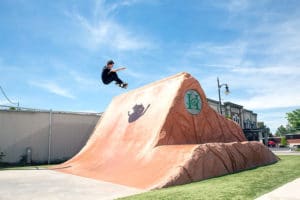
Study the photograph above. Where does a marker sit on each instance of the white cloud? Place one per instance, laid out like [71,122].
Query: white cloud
[239,5]
[134,74]
[83,80]
[234,6]
[261,65]
[274,70]
[4,102]
[101,31]
[101,6]
[53,88]
[265,87]
[7,104]
[271,100]
[274,118]
[89,111]
[218,55]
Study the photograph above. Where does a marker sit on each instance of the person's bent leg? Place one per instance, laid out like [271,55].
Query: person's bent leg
[116,78]
[107,80]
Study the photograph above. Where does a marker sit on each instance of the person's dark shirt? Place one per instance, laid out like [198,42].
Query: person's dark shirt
[105,73]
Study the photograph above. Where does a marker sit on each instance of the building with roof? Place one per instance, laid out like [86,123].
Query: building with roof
[293,140]
[247,119]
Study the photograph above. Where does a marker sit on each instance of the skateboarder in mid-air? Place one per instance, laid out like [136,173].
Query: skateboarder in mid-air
[109,74]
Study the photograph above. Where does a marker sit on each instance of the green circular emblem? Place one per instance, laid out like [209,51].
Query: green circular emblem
[193,102]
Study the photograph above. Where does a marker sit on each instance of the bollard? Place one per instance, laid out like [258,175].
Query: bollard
[28,155]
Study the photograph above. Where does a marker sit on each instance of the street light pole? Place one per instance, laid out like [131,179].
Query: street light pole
[220,108]
[219,92]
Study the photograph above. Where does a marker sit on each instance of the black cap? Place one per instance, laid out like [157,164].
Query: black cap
[110,62]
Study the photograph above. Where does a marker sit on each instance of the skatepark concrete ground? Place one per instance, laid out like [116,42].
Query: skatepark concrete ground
[52,185]
[24,183]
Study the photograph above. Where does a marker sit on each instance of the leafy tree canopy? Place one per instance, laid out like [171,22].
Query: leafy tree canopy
[294,120]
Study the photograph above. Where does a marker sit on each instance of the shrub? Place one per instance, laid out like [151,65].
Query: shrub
[283,141]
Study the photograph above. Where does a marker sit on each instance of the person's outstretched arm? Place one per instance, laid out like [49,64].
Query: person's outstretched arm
[119,69]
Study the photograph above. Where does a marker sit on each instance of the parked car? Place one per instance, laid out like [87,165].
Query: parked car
[271,143]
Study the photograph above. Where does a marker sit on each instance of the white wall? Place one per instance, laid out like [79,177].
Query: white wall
[22,129]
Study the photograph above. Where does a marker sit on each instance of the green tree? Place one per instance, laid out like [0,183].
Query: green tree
[265,131]
[283,141]
[281,130]
[264,128]
[271,135]
[294,119]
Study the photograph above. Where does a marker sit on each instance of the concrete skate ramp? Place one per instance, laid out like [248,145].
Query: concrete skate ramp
[165,134]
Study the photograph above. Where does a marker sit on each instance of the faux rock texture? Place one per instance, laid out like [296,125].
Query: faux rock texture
[162,135]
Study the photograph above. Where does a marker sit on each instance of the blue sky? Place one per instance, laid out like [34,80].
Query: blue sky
[52,52]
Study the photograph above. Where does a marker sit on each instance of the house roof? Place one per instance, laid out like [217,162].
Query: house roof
[232,104]
[212,100]
[295,133]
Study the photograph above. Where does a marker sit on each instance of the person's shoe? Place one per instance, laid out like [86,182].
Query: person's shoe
[118,84]
[123,85]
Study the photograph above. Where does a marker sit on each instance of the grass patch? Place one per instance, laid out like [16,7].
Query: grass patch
[248,184]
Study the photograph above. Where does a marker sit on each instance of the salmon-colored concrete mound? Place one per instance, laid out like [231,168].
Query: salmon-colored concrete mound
[165,134]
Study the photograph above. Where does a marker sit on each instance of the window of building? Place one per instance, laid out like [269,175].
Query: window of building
[236,118]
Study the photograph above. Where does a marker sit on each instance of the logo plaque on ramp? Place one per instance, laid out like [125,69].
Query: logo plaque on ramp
[193,102]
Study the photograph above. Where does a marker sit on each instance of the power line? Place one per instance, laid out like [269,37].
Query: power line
[6,97]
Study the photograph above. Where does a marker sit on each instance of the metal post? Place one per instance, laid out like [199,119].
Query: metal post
[219,92]
[50,137]
[266,137]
